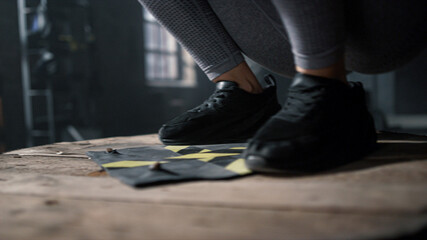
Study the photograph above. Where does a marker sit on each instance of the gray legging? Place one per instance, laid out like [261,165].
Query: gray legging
[375,36]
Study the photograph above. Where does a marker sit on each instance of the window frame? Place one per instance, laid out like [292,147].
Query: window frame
[185,70]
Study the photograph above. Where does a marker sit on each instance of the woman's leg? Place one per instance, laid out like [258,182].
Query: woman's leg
[317,34]
[196,27]
[324,122]
[257,29]
[381,35]
[230,114]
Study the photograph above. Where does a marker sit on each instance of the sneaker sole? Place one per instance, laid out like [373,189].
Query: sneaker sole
[263,165]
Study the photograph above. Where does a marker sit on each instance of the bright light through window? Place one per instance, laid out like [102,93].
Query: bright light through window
[166,63]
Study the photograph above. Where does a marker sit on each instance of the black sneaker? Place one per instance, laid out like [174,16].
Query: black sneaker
[323,124]
[229,115]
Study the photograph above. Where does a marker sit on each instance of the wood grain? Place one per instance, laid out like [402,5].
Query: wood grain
[83,219]
[46,195]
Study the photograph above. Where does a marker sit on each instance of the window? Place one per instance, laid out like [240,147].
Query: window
[166,63]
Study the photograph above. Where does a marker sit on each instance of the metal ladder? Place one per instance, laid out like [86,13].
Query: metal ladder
[28,92]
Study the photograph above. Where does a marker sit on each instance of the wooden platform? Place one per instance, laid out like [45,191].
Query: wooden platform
[56,192]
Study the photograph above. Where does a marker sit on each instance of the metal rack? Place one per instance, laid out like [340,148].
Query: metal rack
[26,70]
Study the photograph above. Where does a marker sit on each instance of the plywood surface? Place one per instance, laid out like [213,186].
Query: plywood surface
[56,192]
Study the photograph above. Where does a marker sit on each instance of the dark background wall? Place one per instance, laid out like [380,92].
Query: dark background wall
[411,87]
[128,104]
[13,131]
[121,102]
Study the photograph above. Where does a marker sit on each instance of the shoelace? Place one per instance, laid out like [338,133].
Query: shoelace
[214,100]
[301,103]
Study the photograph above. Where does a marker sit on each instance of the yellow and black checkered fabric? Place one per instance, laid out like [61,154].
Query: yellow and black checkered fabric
[177,163]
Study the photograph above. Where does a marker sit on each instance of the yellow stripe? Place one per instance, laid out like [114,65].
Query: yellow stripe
[238,148]
[205,150]
[129,164]
[176,148]
[205,157]
[239,167]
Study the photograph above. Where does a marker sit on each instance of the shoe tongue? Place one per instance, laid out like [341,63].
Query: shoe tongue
[225,84]
[308,81]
